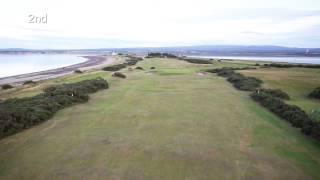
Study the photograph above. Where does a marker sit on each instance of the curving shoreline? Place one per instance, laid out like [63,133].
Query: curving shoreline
[93,62]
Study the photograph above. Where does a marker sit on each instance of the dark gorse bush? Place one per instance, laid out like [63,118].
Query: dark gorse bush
[116,67]
[291,113]
[217,70]
[315,93]
[168,55]
[78,71]
[315,114]
[29,82]
[132,60]
[244,83]
[119,75]
[17,114]
[196,61]
[275,93]
[6,86]
[160,55]
[281,65]
[238,80]
[140,68]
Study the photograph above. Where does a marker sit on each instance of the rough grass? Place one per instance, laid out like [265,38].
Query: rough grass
[297,82]
[165,124]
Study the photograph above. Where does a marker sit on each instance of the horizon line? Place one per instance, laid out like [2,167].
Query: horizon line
[144,47]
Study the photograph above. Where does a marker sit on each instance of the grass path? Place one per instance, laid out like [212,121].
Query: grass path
[165,124]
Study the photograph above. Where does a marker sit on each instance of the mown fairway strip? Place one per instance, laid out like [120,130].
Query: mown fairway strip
[166,123]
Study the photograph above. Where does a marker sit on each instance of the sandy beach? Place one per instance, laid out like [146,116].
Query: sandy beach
[93,62]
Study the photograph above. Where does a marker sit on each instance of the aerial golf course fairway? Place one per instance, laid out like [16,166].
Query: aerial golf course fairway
[166,123]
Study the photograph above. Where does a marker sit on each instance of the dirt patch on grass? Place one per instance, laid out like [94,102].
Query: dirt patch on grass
[244,143]
[201,74]
[272,167]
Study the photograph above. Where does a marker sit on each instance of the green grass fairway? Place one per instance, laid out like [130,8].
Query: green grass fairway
[297,82]
[168,123]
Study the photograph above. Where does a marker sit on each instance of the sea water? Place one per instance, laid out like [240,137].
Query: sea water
[27,63]
[287,59]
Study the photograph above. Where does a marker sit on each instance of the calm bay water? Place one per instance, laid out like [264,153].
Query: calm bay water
[27,63]
[308,60]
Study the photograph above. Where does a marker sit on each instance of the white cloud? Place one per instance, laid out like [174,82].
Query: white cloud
[159,22]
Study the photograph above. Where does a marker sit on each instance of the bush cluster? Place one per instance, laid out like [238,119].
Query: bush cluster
[140,68]
[78,71]
[196,61]
[315,93]
[238,80]
[116,67]
[119,74]
[168,55]
[281,65]
[160,55]
[6,86]
[276,93]
[244,83]
[132,60]
[217,70]
[17,114]
[29,82]
[291,113]
[315,114]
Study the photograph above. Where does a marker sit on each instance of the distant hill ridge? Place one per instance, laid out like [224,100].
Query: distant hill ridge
[204,49]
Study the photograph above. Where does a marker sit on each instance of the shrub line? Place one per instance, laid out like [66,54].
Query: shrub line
[168,55]
[17,114]
[282,65]
[238,80]
[129,62]
[272,99]
[293,114]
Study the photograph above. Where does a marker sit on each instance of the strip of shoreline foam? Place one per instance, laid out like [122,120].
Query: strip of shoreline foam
[93,62]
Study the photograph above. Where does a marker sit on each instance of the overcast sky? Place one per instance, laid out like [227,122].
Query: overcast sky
[135,23]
